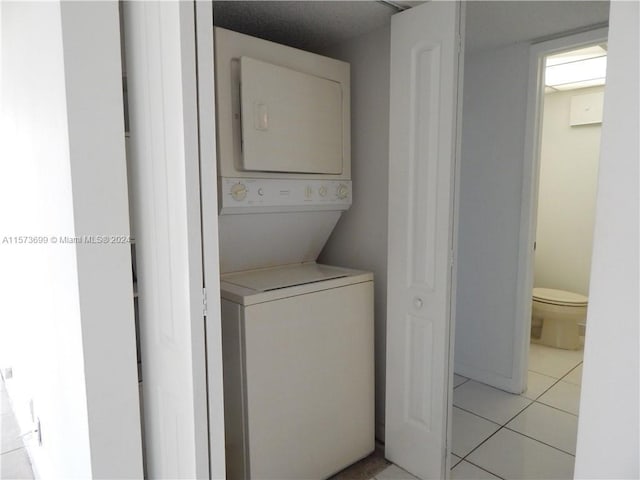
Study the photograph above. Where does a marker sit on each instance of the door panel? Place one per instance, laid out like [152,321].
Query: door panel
[164,176]
[423,137]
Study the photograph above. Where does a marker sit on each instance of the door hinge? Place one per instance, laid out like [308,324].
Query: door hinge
[204,302]
[452,261]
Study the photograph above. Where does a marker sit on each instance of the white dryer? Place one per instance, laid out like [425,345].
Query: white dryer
[298,370]
[284,160]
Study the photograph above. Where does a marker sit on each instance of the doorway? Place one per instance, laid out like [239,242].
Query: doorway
[532,434]
[571,119]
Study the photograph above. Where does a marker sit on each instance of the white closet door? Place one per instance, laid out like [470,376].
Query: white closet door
[425,43]
[165,204]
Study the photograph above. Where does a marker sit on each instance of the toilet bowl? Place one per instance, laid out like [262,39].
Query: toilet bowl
[556,316]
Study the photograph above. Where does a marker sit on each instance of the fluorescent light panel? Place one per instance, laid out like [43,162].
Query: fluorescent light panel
[583,84]
[575,55]
[576,69]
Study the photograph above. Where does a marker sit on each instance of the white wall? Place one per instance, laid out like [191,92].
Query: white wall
[608,444]
[66,320]
[360,238]
[491,171]
[567,196]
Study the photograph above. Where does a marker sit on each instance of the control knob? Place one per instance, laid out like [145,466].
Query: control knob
[343,191]
[238,191]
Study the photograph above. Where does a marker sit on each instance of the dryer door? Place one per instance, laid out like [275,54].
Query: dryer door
[291,121]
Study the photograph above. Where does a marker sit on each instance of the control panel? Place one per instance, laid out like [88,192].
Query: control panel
[245,195]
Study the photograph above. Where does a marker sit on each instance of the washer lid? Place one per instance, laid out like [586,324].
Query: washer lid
[559,297]
[269,279]
[276,283]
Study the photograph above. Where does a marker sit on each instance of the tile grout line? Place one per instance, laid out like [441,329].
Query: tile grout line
[494,433]
[504,426]
[460,384]
[543,374]
[13,450]
[537,399]
[577,415]
[557,380]
[562,376]
[549,388]
[539,441]
[501,426]
[11,412]
[484,469]
[531,400]
[569,372]
[479,416]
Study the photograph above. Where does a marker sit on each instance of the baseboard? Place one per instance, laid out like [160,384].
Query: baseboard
[489,378]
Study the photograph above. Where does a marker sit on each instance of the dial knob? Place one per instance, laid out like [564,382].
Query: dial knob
[343,191]
[239,191]
[322,191]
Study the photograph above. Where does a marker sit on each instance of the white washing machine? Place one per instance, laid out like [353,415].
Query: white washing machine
[298,370]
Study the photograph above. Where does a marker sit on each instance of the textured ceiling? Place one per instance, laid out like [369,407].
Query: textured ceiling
[309,25]
[316,25]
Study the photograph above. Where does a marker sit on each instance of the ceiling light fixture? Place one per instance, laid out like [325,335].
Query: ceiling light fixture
[581,68]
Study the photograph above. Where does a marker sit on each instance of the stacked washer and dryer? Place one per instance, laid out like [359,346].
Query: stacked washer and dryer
[297,336]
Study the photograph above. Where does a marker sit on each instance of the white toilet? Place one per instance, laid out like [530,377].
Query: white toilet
[556,317]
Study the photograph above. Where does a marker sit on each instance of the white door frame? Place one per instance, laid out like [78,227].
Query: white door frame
[530,183]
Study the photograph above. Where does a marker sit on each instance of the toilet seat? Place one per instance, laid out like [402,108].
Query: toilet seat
[552,296]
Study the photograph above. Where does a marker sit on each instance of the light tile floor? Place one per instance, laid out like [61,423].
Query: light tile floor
[528,436]
[495,434]
[14,461]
